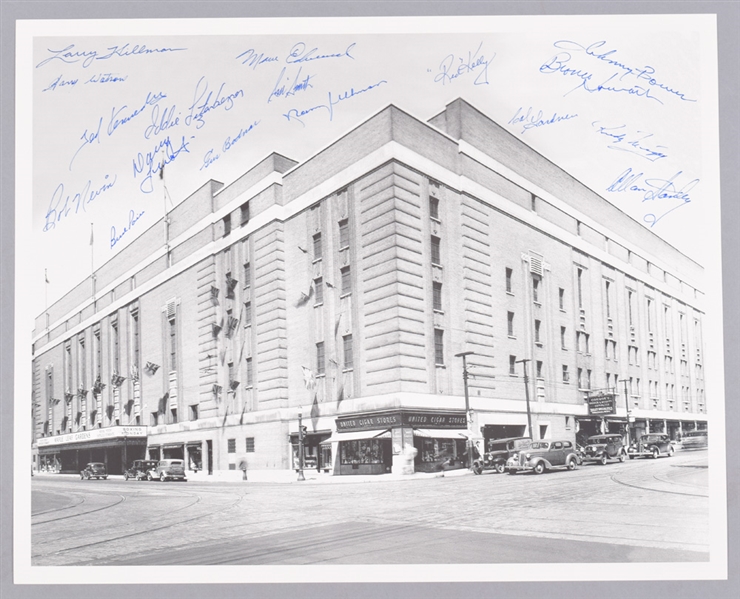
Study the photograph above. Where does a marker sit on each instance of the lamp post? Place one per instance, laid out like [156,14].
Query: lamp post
[627,407]
[300,448]
[526,395]
[469,442]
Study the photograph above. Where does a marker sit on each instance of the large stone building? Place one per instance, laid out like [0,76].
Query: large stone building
[342,288]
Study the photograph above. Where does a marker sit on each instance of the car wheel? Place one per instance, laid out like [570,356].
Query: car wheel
[572,465]
[500,468]
[125,476]
[162,477]
[539,467]
[149,476]
[477,468]
[671,451]
[656,452]
[622,457]
[602,460]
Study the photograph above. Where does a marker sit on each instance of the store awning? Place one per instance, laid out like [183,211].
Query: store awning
[357,435]
[438,434]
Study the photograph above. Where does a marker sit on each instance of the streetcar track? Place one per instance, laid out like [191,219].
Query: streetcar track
[626,484]
[105,507]
[57,509]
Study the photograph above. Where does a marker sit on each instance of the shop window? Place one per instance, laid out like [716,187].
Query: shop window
[250,445]
[364,451]
[195,457]
[231,444]
[194,412]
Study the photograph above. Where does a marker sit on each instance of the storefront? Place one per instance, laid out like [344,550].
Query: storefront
[316,452]
[115,446]
[378,442]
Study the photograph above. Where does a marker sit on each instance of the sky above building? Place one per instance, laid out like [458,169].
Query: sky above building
[626,105]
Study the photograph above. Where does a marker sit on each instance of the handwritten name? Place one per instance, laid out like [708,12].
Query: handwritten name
[63,204]
[654,189]
[621,140]
[283,88]
[211,156]
[453,67]
[162,120]
[299,53]
[295,114]
[253,59]
[132,219]
[148,163]
[106,78]
[70,55]
[210,102]
[59,83]
[530,120]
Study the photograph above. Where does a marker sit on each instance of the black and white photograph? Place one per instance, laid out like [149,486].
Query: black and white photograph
[369,299]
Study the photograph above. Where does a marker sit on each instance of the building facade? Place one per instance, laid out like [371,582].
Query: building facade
[339,291]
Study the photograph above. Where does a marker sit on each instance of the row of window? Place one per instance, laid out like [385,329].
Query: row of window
[348,360]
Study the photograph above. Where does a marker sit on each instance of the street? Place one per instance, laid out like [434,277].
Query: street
[642,510]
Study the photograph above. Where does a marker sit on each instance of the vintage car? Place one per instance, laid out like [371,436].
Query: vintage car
[651,445]
[499,451]
[139,469]
[602,448]
[94,470]
[544,455]
[168,470]
[694,440]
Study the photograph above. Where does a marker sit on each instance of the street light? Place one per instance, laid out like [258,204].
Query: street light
[469,442]
[526,394]
[627,406]
[300,447]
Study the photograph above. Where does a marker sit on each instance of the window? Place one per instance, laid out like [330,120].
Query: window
[439,348]
[436,257]
[318,288]
[153,419]
[135,339]
[580,379]
[245,213]
[512,365]
[247,275]
[250,445]
[347,344]
[510,323]
[652,361]
[98,354]
[320,358]
[566,374]
[607,294]
[580,287]
[227,224]
[231,443]
[539,369]
[173,343]
[115,346]
[194,411]
[437,296]
[588,379]
[536,289]
[346,281]
[434,207]
[509,272]
[533,203]
[173,415]
[537,324]
[562,338]
[649,315]
[83,362]
[630,300]
[230,284]
[250,373]
[561,298]
[247,314]
[318,249]
[582,341]
[68,366]
[231,372]
[343,234]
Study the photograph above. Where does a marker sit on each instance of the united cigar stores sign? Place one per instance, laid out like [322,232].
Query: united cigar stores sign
[96,434]
[601,404]
[396,419]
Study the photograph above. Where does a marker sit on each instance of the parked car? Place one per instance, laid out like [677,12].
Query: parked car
[602,448]
[168,470]
[499,451]
[94,470]
[694,440]
[651,444]
[139,469]
[544,455]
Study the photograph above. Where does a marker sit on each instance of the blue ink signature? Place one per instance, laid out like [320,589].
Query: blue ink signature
[654,189]
[149,161]
[211,156]
[298,53]
[62,204]
[89,136]
[132,218]
[252,59]
[197,112]
[59,82]
[106,78]
[286,90]
[69,56]
[449,69]
[620,141]
[296,115]
[532,120]
[166,121]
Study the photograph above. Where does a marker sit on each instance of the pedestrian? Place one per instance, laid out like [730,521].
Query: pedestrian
[243,468]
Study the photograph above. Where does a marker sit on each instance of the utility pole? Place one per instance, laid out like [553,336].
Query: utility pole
[526,395]
[300,448]
[627,406]
[469,442]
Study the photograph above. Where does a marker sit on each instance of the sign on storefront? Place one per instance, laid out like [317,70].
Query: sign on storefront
[601,404]
[110,432]
[444,420]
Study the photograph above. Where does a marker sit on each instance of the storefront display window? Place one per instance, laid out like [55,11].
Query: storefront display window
[434,449]
[364,451]
[195,457]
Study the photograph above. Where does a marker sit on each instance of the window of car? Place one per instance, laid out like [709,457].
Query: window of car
[557,445]
[567,444]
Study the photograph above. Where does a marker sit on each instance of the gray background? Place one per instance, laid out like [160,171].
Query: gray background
[728,27]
